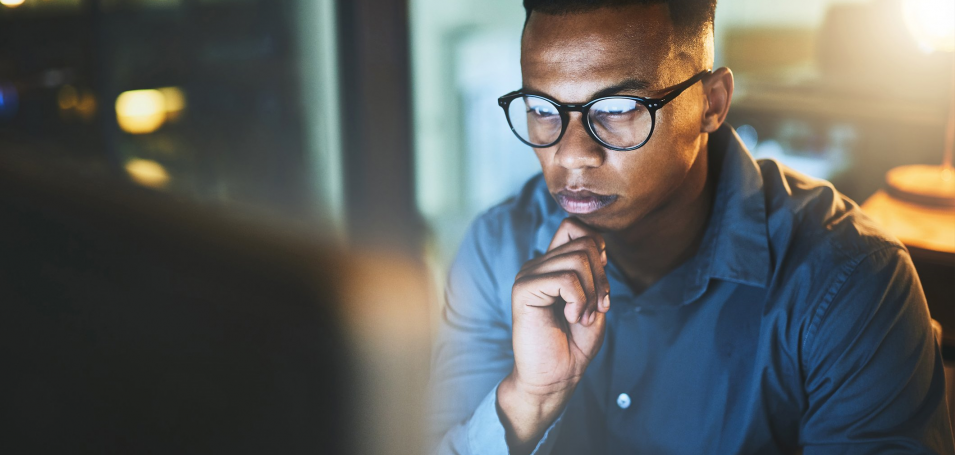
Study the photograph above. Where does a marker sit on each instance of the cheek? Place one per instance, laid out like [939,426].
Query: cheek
[678,126]
[553,174]
[544,158]
[633,171]
[659,168]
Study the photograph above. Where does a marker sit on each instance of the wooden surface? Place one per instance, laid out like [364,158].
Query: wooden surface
[922,227]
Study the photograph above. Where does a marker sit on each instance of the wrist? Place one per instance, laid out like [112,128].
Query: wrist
[528,411]
[540,397]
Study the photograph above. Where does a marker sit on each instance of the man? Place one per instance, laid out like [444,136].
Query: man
[658,291]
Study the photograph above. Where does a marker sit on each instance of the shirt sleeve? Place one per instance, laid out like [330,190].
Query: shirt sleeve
[472,354]
[874,377]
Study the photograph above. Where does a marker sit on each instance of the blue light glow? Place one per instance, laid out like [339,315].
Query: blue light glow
[8,101]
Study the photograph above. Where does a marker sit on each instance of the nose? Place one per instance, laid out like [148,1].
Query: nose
[577,150]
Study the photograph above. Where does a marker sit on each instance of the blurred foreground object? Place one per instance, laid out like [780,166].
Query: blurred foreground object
[133,323]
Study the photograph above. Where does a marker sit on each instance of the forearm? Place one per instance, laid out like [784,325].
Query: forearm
[526,415]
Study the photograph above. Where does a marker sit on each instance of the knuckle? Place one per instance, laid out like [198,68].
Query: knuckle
[570,278]
[581,257]
[588,244]
[516,289]
[520,283]
[531,263]
[567,275]
[524,271]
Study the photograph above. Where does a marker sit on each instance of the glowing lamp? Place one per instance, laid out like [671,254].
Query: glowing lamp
[11,3]
[918,204]
[932,23]
[141,111]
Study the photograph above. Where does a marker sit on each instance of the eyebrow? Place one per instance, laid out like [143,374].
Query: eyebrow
[627,85]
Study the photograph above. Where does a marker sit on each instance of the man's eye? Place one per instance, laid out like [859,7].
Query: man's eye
[615,107]
[542,112]
[541,109]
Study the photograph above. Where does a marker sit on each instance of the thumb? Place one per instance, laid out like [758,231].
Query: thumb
[589,338]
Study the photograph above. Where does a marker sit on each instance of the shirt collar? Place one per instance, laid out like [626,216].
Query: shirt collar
[735,245]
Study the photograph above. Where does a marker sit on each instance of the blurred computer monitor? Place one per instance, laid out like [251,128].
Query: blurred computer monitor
[132,322]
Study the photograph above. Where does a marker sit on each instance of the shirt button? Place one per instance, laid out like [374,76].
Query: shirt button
[623,400]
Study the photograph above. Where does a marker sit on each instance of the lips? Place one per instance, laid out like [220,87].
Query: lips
[583,201]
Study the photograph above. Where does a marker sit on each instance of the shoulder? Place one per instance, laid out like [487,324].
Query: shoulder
[808,220]
[822,243]
[835,271]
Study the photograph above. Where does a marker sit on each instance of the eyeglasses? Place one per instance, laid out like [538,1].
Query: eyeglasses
[616,122]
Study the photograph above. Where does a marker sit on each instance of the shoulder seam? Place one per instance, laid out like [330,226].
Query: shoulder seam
[823,306]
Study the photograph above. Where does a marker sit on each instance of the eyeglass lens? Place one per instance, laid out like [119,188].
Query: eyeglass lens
[535,120]
[618,122]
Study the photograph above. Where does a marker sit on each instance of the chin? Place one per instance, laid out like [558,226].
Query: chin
[618,220]
[602,222]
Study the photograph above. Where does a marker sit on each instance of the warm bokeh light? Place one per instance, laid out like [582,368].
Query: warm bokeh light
[67,97]
[147,173]
[932,23]
[141,111]
[175,102]
[11,3]
[86,106]
[76,103]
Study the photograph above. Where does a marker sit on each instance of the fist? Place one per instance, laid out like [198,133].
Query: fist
[559,302]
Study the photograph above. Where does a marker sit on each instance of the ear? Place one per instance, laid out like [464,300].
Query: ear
[718,90]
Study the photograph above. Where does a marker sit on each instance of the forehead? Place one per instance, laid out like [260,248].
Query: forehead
[571,56]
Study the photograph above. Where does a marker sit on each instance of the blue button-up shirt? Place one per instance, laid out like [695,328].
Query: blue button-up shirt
[797,324]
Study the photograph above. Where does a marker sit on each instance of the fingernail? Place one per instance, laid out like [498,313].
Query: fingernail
[607,302]
[593,317]
[603,257]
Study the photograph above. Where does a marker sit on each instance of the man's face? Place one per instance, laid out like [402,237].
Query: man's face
[571,58]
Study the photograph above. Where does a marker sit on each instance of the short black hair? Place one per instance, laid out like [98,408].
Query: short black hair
[687,15]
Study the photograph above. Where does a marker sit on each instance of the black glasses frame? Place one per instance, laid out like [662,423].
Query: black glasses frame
[652,105]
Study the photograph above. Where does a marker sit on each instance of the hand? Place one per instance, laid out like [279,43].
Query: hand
[558,304]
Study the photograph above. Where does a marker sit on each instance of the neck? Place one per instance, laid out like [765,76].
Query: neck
[671,234]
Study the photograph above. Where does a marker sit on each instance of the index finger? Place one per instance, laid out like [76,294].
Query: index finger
[571,229]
